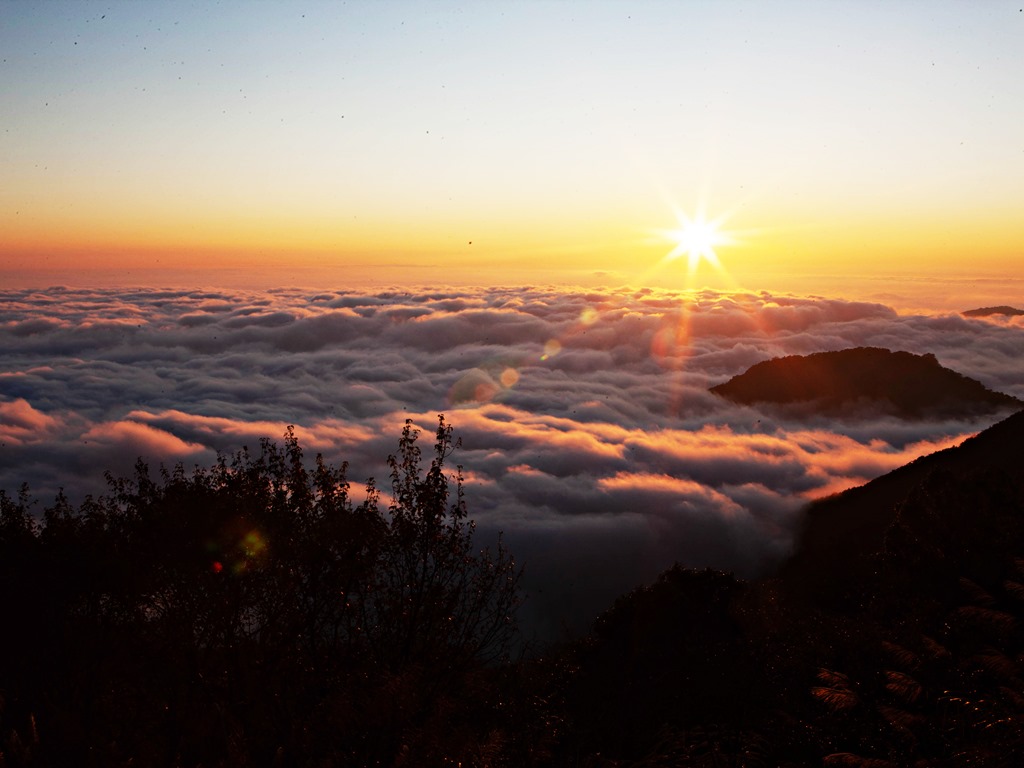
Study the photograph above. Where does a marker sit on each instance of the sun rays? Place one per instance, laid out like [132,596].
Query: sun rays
[697,238]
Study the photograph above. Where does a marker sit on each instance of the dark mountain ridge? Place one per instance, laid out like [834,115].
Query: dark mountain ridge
[842,532]
[850,381]
[989,311]
[892,638]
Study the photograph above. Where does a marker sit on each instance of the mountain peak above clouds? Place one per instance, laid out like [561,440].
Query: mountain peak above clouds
[850,381]
[989,311]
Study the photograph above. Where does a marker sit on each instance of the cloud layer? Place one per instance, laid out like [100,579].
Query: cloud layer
[588,433]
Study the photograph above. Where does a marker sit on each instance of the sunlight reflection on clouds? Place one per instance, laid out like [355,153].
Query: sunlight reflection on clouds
[586,424]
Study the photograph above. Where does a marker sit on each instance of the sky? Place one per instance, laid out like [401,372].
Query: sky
[839,143]
[556,223]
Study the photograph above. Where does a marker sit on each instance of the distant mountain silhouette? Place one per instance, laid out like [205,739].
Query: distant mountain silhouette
[864,378]
[844,534]
[988,311]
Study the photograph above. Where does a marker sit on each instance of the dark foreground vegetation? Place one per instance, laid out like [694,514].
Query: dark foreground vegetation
[251,614]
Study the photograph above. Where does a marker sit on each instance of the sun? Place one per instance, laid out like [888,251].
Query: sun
[697,239]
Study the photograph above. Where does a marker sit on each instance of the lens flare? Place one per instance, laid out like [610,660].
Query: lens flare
[484,384]
[671,343]
[238,548]
[551,348]
[253,544]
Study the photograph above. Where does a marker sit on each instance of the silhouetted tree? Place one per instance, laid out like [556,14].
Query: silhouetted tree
[251,613]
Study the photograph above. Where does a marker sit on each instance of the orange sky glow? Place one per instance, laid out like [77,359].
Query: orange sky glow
[536,141]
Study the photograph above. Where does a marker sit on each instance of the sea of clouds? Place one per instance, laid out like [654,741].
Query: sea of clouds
[588,434]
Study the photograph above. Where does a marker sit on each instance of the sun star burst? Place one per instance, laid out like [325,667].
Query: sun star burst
[697,239]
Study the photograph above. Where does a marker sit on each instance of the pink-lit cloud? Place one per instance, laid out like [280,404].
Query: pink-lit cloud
[133,438]
[588,432]
[20,422]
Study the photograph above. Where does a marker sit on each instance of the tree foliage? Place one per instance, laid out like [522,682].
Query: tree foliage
[253,612]
[258,613]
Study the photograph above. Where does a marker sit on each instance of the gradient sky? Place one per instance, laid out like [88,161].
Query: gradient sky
[843,139]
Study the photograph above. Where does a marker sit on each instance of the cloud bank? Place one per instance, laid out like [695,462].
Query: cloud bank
[588,434]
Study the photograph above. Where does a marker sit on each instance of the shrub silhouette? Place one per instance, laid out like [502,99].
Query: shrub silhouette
[251,613]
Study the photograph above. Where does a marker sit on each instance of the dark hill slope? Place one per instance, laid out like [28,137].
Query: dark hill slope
[901,383]
[842,533]
[893,638]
